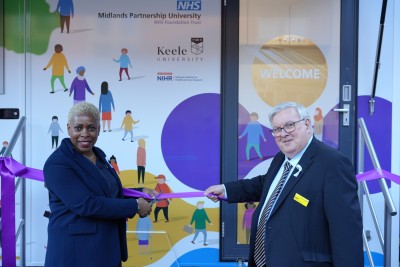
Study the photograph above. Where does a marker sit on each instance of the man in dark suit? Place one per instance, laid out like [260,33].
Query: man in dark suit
[315,219]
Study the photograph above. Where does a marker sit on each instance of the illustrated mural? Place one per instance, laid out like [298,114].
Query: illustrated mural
[153,69]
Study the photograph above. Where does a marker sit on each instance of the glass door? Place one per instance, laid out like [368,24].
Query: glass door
[287,51]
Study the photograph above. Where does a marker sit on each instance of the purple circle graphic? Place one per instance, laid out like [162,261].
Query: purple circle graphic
[379,127]
[190,141]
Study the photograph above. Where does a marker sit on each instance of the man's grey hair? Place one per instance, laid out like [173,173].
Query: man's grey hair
[301,110]
[84,108]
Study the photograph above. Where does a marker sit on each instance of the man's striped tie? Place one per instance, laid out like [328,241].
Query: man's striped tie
[259,254]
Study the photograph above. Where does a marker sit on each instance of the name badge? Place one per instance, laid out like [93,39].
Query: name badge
[302,200]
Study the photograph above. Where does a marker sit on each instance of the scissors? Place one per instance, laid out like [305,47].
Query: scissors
[155,199]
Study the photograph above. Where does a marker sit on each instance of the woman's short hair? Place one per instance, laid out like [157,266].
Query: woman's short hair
[84,108]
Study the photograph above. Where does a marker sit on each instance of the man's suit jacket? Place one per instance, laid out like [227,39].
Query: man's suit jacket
[86,227]
[325,232]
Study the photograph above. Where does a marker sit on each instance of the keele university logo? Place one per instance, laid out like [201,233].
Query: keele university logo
[181,53]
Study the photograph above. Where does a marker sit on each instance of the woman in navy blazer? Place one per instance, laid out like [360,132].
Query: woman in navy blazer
[316,219]
[87,225]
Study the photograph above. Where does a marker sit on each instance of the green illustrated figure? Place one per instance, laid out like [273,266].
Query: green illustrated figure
[59,62]
[199,218]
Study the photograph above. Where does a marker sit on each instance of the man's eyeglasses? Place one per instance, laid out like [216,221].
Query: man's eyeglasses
[288,127]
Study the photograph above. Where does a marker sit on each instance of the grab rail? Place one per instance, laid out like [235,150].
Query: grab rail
[390,209]
[20,130]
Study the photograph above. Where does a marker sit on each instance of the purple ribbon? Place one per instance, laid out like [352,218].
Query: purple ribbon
[377,174]
[8,213]
[9,169]
[134,193]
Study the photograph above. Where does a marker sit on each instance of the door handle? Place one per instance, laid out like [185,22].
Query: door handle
[341,110]
[346,114]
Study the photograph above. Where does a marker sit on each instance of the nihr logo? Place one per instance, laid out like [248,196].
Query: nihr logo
[191,5]
[164,76]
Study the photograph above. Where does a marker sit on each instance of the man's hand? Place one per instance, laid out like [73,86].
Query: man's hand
[144,207]
[215,192]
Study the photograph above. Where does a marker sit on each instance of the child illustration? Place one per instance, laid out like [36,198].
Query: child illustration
[106,102]
[113,163]
[55,130]
[254,132]
[79,86]
[246,222]
[143,227]
[59,62]
[199,218]
[124,62]
[128,122]
[162,204]
[141,159]
[318,123]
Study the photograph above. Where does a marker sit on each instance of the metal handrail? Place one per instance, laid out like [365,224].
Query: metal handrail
[390,209]
[20,130]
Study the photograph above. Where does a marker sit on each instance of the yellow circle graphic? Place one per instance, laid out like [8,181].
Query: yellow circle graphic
[289,68]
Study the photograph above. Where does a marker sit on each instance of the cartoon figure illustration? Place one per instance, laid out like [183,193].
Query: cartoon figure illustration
[3,149]
[199,218]
[141,159]
[124,62]
[246,222]
[128,122]
[79,86]
[59,62]
[318,123]
[162,204]
[113,163]
[55,130]
[254,132]
[66,10]
[144,226]
[106,101]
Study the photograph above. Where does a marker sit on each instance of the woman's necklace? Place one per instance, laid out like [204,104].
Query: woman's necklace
[89,157]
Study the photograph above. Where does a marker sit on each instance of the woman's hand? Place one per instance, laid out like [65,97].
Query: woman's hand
[151,192]
[144,207]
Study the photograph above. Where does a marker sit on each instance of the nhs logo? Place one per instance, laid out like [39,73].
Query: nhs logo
[188,5]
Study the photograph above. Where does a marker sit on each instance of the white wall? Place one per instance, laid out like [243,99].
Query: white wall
[388,89]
